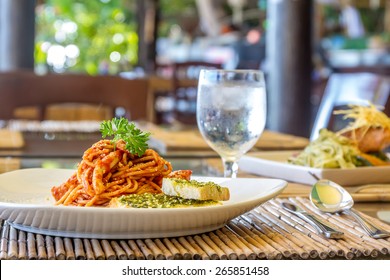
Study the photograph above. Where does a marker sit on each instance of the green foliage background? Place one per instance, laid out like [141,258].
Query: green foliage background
[97,22]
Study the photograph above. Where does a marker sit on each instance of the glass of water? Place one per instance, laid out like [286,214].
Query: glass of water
[231,112]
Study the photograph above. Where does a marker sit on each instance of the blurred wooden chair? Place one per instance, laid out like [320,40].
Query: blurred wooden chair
[25,95]
[185,83]
[78,111]
[344,89]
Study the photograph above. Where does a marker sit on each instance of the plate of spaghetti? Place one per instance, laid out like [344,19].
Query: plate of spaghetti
[355,155]
[108,170]
[76,203]
[26,203]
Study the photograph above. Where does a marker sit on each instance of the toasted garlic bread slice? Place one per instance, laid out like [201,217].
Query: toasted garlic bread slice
[194,190]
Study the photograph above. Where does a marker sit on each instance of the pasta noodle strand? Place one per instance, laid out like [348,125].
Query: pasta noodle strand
[107,171]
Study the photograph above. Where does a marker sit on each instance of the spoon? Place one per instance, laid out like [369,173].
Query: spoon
[330,197]
[322,228]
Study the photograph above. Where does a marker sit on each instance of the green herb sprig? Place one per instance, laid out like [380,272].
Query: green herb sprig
[121,129]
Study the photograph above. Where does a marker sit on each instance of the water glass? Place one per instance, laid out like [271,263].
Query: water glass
[231,112]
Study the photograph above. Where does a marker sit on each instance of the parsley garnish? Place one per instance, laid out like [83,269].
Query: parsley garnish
[122,129]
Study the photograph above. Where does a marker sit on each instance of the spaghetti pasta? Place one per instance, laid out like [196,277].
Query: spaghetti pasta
[108,170]
[329,150]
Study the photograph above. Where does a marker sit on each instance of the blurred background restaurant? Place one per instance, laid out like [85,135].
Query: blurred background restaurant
[298,44]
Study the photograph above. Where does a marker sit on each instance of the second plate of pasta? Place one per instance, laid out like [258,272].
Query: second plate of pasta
[274,164]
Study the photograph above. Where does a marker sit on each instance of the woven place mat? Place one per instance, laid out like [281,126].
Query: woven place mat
[267,232]
[167,140]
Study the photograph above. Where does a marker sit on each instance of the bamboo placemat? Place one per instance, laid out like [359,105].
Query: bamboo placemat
[190,139]
[267,232]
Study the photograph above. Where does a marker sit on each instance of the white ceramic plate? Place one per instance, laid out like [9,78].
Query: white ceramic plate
[274,164]
[26,202]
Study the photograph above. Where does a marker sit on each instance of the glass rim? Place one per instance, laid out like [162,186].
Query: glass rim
[237,75]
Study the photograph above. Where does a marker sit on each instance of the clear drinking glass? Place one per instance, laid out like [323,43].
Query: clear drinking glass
[231,112]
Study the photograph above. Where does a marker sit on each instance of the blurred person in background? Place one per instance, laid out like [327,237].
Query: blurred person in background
[350,20]
[250,51]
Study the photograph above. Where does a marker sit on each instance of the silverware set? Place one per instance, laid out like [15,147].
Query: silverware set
[329,197]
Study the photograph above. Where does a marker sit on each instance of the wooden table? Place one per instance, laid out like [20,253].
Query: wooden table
[273,238]
[185,149]
[170,142]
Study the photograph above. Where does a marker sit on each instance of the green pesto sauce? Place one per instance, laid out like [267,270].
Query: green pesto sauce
[148,200]
[194,183]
